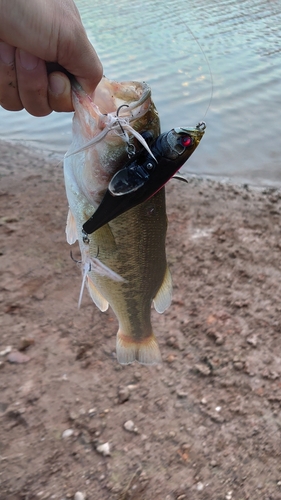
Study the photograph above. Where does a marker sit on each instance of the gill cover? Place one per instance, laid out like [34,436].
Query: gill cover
[143,175]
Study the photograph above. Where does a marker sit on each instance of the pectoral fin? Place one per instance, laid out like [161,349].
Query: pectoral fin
[96,296]
[163,298]
[71,230]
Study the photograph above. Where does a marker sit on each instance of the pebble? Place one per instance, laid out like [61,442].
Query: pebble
[104,449]
[238,365]
[6,351]
[17,357]
[24,343]
[130,426]
[200,486]
[123,395]
[171,342]
[203,369]
[67,433]
[73,415]
[171,358]
[252,340]
[79,496]
[181,393]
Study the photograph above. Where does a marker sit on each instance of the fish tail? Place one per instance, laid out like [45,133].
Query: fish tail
[146,351]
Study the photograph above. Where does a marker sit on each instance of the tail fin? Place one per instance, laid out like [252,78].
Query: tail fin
[146,351]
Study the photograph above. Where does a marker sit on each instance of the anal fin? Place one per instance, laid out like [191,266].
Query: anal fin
[163,298]
[96,296]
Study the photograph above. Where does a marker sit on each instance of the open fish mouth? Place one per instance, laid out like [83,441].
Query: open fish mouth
[146,173]
[113,121]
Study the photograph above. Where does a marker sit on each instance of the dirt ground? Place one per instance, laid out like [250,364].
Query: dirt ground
[203,425]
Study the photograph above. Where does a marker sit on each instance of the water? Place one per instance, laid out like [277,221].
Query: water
[151,41]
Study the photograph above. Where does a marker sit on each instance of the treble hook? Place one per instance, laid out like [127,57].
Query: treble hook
[75,260]
[131,150]
[117,114]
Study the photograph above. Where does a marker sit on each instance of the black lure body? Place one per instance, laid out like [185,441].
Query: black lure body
[144,175]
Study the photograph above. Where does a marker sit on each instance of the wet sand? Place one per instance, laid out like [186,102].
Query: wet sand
[206,422]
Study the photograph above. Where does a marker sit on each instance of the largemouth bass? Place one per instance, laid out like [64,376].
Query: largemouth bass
[124,258]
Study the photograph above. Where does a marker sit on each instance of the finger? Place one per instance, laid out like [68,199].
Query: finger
[9,96]
[32,83]
[59,92]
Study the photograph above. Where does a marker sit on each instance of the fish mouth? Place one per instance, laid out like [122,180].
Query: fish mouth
[144,175]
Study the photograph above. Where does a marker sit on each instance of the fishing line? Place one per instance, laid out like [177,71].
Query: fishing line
[208,64]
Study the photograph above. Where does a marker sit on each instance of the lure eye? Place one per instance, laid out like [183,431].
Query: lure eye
[186,141]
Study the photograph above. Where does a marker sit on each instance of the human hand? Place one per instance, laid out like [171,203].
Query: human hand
[33,34]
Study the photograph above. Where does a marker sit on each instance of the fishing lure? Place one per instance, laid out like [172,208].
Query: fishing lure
[145,173]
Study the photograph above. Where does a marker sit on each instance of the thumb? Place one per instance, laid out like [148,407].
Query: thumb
[82,61]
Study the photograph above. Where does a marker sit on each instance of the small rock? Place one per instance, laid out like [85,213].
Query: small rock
[24,343]
[171,358]
[238,365]
[17,357]
[203,369]
[1,364]
[199,486]
[67,433]
[123,395]
[10,219]
[172,342]
[79,496]
[252,340]
[39,295]
[171,434]
[181,393]
[73,415]
[104,449]
[130,426]
[6,351]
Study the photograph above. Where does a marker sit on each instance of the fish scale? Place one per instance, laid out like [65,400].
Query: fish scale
[140,258]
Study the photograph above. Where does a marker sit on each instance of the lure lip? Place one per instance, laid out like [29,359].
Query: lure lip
[142,177]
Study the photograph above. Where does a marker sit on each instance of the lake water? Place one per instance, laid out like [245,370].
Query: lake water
[154,41]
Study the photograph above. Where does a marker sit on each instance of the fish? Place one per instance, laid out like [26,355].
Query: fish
[115,136]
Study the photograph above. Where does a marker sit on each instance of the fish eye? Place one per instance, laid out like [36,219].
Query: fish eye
[186,141]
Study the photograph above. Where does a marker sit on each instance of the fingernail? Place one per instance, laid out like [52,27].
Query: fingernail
[28,61]
[56,84]
[7,53]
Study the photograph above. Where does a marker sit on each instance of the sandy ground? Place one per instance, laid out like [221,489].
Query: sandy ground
[203,425]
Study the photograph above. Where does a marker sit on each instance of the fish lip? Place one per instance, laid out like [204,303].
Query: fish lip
[197,131]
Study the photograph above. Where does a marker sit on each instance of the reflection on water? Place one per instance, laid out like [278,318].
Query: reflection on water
[151,41]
